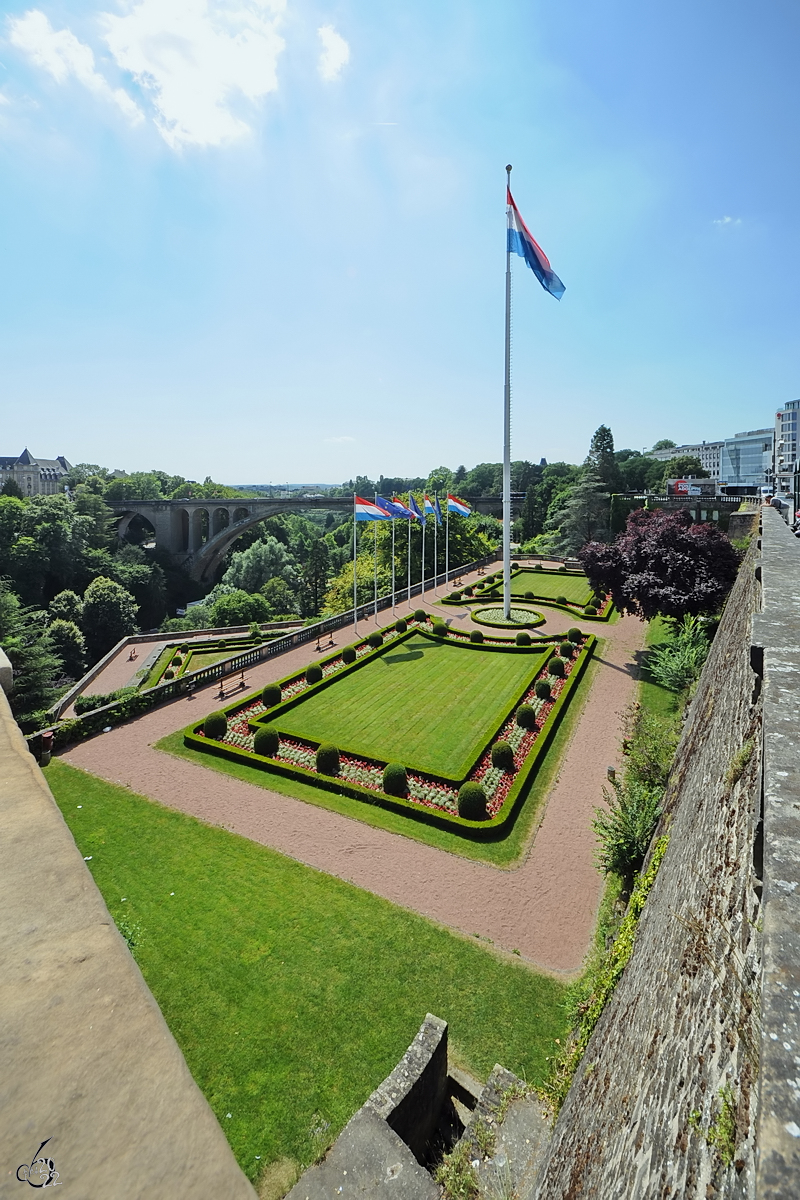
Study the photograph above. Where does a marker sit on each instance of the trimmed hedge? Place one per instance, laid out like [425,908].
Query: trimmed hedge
[420,614]
[215,726]
[561,600]
[556,667]
[400,626]
[525,717]
[502,755]
[542,689]
[169,673]
[590,610]
[538,567]
[562,569]
[349,655]
[476,635]
[439,629]
[523,638]
[314,673]
[375,640]
[529,596]
[271,695]
[472,801]
[395,780]
[327,759]
[468,590]
[266,741]
[565,649]
[575,635]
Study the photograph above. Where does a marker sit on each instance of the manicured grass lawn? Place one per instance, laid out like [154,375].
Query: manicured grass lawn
[291,993]
[652,695]
[208,658]
[504,852]
[424,704]
[575,588]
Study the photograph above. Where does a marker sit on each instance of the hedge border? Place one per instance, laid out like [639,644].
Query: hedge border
[477,830]
[237,646]
[492,593]
[511,625]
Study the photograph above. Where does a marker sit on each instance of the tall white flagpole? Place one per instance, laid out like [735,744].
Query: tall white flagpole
[447,546]
[355,581]
[393,612]
[435,548]
[375,542]
[410,523]
[507,421]
[424,523]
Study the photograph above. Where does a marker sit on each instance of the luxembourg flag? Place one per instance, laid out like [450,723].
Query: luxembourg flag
[365,510]
[457,506]
[430,511]
[522,242]
[402,509]
[393,508]
[414,507]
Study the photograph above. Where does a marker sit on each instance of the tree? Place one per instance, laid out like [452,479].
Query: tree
[23,636]
[109,613]
[634,471]
[11,488]
[548,488]
[315,575]
[601,458]
[238,608]
[680,467]
[250,569]
[664,565]
[665,444]
[585,514]
[69,644]
[66,606]
[280,599]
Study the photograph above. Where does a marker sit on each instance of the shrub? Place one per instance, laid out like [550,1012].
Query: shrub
[313,673]
[454,596]
[420,614]
[401,626]
[525,717]
[538,567]
[598,599]
[556,667]
[349,654]
[575,635]
[529,596]
[523,638]
[266,741]
[678,662]
[184,649]
[440,629]
[468,590]
[327,759]
[502,755]
[215,726]
[472,801]
[395,781]
[176,660]
[542,689]
[563,569]
[624,830]
[375,640]
[590,610]
[476,636]
[169,673]
[561,600]
[271,695]
[566,649]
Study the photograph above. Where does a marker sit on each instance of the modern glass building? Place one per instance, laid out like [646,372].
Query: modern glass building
[786,445]
[746,459]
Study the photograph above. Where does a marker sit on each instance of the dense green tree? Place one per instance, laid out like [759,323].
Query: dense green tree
[11,488]
[601,459]
[238,608]
[109,613]
[679,468]
[66,606]
[250,569]
[665,444]
[139,485]
[69,644]
[635,472]
[549,486]
[315,577]
[585,513]
[24,637]
[281,600]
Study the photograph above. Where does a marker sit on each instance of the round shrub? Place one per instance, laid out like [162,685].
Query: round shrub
[169,673]
[468,590]
[266,741]
[454,596]
[590,610]
[529,596]
[401,626]
[565,649]
[375,640]
[561,599]
[420,614]
[440,629]
[542,689]
[476,636]
[176,660]
[349,654]
[184,649]
[271,695]
[215,726]
[556,667]
[523,638]
[525,717]
[395,781]
[313,673]
[575,635]
[327,759]
[538,567]
[472,801]
[502,755]
[563,569]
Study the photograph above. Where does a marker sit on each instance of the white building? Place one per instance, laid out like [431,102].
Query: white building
[786,445]
[708,452]
[34,476]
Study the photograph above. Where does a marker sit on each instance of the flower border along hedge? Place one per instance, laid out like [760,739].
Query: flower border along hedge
[491,590]
[414,808]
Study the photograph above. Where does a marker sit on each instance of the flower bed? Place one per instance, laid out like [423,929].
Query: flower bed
[520,617]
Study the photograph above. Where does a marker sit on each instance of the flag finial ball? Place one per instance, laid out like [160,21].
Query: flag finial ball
[508,168]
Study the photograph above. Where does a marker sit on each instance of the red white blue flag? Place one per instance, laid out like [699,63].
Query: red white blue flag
[457,506]
[365,510]
[522,242]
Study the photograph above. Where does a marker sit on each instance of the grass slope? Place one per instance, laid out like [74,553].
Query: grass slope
[291,993]
[424,704]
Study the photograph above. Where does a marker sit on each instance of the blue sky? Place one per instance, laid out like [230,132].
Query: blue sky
[263,240]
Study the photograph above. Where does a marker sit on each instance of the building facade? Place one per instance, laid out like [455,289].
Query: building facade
[34,476]
[786,445]
[708,453]
[747,458]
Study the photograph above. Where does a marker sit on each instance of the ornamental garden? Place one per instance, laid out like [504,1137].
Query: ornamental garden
[563,589]
[441,725]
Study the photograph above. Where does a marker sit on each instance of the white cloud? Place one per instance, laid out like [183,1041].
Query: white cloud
[340,439]
[60,53]
[192,56]
[335,54]
[727,222]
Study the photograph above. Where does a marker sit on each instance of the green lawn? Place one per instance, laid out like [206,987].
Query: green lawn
[652,695]
[291,993]
[424,704]
[576,588]
[208,658]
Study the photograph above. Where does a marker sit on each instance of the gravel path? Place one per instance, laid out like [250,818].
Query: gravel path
[545,908]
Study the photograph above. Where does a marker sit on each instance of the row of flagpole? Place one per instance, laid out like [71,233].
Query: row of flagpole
[392,510]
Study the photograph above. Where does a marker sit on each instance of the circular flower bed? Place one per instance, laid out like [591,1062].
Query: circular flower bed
[519,616]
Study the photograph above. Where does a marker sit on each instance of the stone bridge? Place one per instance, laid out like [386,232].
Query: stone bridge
[199,533]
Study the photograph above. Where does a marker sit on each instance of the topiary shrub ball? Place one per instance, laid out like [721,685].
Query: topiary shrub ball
[266,741]
[420,614]
[349,654]
[184,649]
[454,596]
[575,635]
[176,660]
[440,629]
[271,695]
[590,610]
[169,674]
[538,567]
[314,673]
[565,649]
[400,626]
[563,569]
[542,689]
[561,599]
[502,755]
[468,591]
[327,759]
[529,596]
[476,636]
[523,638]
[472,802]
[375,639]
[556,667]
[395,780]
[215,726]
[525,717]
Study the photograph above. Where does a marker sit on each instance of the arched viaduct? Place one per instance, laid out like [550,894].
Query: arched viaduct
[198,533]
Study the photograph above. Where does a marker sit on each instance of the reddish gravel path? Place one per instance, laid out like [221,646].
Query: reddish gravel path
[545,908]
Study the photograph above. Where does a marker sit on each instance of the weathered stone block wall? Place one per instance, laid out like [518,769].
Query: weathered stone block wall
[663,1104]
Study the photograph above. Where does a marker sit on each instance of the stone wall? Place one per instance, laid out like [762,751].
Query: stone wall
[664,1102]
